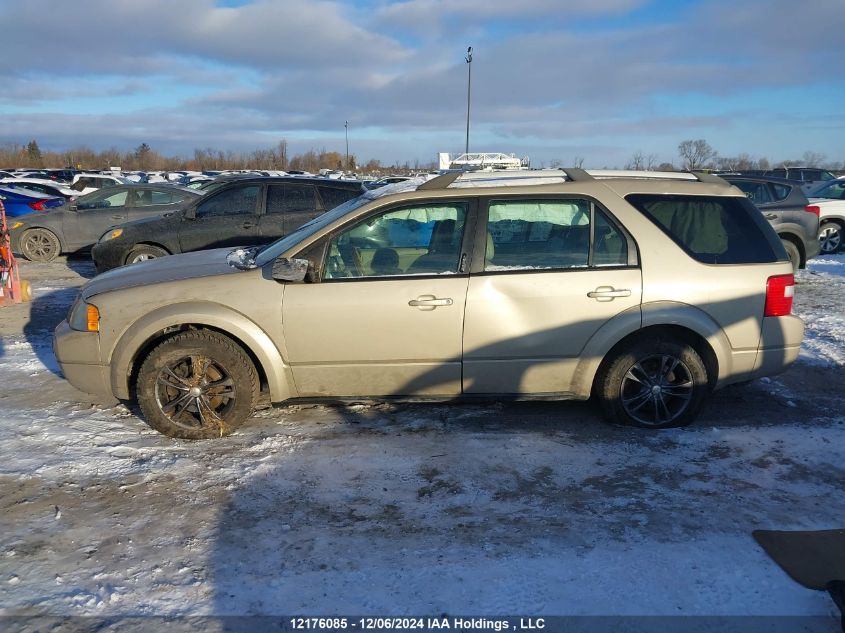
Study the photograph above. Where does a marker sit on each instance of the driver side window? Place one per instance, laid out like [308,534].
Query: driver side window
[417,240]
[235,201]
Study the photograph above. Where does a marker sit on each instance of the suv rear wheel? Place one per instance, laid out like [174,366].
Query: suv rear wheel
[830,237]
[654,384]
[197,385]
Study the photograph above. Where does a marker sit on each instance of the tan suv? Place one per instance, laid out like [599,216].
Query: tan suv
[644,290]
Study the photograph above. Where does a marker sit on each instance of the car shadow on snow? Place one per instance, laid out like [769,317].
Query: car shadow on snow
[82,264]
[46,312]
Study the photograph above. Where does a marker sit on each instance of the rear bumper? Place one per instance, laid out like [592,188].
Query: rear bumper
[78,354]
[811,249]
[780,342]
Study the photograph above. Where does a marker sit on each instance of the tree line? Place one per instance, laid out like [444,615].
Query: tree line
[145,158]
[693,154]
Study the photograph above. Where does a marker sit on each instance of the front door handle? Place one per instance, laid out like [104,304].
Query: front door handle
[608,293]
[771,216]
[247,225]
[117,217]
[429,302]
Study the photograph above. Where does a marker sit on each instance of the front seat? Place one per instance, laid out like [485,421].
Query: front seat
[442,254]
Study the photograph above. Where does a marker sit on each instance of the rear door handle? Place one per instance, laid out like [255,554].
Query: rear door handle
[429,302]
[771,216]
[117,217]
[608,293]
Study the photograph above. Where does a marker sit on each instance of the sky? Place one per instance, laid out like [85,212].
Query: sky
[589,80]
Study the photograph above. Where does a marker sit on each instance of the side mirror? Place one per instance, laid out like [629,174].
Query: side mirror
[289,269]
[189,213]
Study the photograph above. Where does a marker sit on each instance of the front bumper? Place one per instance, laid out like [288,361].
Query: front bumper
[78,354]
[106,257]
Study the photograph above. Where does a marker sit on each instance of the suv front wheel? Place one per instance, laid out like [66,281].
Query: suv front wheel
[197,385]
[654,384]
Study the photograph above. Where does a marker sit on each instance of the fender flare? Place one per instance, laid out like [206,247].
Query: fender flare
[658,313]
[201,313]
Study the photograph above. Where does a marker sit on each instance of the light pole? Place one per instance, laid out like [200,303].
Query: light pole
[468,59]
[346,128]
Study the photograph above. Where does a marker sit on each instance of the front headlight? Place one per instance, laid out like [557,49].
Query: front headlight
[110,235]
[84,317]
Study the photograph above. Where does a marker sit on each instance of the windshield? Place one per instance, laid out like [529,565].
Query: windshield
[273,250]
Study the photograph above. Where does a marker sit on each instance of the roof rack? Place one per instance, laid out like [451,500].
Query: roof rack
[493,178]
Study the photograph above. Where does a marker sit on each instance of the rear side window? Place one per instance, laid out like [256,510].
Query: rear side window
[713,229]
[290,198]
[549,234]
[781,191]
[335,196]
[757,192]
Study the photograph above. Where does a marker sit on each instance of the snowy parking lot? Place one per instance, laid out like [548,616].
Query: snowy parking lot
[526,508]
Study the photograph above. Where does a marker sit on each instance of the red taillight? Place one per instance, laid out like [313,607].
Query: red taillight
[811,208]
[38,205]
[780,289]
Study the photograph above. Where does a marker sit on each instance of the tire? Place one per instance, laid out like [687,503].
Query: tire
[206,373]
[830,237]
[793,253]
[144,252]
[653,383]
[40,245]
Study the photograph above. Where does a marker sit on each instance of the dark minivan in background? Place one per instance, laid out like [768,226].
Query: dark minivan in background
[246,211]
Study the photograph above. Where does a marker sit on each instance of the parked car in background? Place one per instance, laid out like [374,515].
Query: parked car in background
[784,205]
[88,183]
[810,177]
[62,175]
[386,180]
[48,187]
[19,202]
[75,227]
[244,211]
[644,292]
[830,201]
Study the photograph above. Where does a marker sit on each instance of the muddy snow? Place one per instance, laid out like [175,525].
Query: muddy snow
[534,508]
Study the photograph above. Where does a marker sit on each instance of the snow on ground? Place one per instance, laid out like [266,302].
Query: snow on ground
[527,508]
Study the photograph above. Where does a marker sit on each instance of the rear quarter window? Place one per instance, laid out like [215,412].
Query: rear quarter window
[713,229]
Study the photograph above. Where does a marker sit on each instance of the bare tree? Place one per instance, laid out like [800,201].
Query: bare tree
[813,159]
[636,162]
[695,154]
[578,162]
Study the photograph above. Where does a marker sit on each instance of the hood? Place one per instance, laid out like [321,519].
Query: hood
[161,270]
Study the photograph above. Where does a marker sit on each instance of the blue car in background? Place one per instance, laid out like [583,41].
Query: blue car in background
[21,202]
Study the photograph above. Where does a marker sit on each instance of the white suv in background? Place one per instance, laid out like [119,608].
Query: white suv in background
[86,183]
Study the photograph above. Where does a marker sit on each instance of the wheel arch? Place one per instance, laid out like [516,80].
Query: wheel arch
[682,321]
[134,343]
[129,251]
[63,247]
[798,243]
